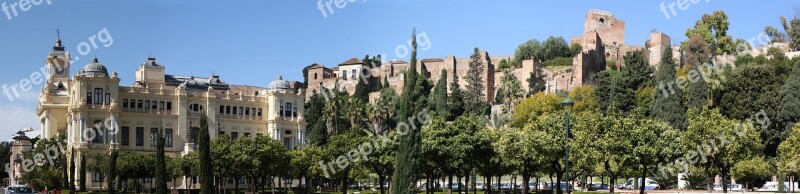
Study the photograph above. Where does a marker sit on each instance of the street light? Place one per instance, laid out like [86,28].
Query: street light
[567,105]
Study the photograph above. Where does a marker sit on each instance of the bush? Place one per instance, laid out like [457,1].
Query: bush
[695,181]
[560,61]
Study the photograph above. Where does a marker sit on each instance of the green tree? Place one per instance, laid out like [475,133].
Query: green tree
[751,90]
[536,81]
[636,74]
[99,164]
[47,171]
[732,141]
[510,91]
[439,97]
[550,130]
[713,28]
[72,176]
[750,171]
[789,110]
[112,170]
[455,100]
[534,107]
[585,99]
[317,133]
[604,90]
[413,100]
[206,166]
[789,152]
[161,163]
[528,50]
[82,174]
[697,55]
[474,98]
[667,103]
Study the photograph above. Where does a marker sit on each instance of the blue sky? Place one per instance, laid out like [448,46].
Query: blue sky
[251,42]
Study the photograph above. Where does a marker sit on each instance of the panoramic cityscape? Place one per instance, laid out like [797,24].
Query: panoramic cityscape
[400,97]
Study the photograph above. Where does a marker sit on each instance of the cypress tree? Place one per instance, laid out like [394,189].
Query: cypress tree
[789,111]
[82,175]
[438,100]
[412,101]
[635,75]
[71,179]
[206,168]
[161,165]
[112,170]
[455,100]
[475,100]
[667,105]
[603,89]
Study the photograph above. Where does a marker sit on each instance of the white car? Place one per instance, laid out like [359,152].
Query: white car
[731,187]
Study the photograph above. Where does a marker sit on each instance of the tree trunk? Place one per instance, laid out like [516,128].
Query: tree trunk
[525,179]
[644,177]
[559,190]
[450,184]
[488,185]
[466,184]
[612,185]
[382,179]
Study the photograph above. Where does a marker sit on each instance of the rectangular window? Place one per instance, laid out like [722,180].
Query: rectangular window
[259,134]
[139,104]
[132,104]
[344,75]
[234,110]
[259,112]
[147,104]
[287,143]
[247,111]
[98,96]
[288,112]
[140,136]
[124,103]
[169,105]
[354,74]
[98,135]
[280,112]
[294,112]
[227,109]
[246,134]
[97,177]
[241,111]
[160,105]
[234,135]
[124,133]
[221,109]
[88,98]
[253,111]
[153,136]
[168,138]
[155,105]
[108,98]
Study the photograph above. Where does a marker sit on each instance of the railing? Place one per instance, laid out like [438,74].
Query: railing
[243,117]
[150,111]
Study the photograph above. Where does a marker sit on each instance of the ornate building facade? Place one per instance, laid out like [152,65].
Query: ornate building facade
[98,114]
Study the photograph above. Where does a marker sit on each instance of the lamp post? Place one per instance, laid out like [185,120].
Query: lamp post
[567,105]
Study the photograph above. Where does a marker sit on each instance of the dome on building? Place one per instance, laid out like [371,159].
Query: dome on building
[94,68]
[279,84]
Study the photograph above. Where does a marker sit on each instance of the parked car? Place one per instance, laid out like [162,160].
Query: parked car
[540,185]
[597,186]
[731,187]
[19,190]
[649,184]
[480,186]
[564,186]
[773,186]
[505,186]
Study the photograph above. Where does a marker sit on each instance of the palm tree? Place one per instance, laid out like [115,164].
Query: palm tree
[380,113]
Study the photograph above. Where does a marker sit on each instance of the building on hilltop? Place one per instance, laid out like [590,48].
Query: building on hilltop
[92,102]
